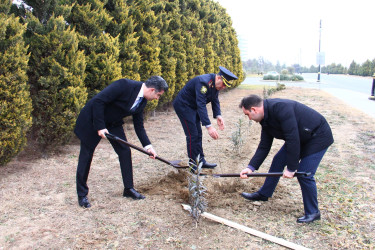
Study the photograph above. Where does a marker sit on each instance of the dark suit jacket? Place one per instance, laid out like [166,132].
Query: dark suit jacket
[303,129]
[108,108]
[197,93]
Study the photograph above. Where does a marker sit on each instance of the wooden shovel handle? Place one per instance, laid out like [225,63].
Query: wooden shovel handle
[116,138]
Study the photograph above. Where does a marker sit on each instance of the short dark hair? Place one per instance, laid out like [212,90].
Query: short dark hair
[157,82]
[251,101]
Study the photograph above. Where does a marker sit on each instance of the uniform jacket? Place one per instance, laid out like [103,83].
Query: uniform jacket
[197,93]
[108,108]
[303,129]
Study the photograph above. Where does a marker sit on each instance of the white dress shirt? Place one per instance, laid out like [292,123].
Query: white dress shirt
[139,96]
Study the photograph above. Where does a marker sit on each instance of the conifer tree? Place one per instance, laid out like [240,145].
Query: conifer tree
[101,49]
[213,55]
[366,68]
[102,66]
[168,66]
[353,68]
[224,45]
[5,6]
[15,101]
[123,26]
[130,57]
[209,56]
[149,51]
[177,47]
[195,60]
[167,58]
[181,66]
[43,10]
[177,39]
[148,42]
[56,75]
[89,17]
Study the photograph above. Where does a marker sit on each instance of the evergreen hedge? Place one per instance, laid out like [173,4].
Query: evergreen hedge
[283,77]
[77,48]
[56,76]
[15,101]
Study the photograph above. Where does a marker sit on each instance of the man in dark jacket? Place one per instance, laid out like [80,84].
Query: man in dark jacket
[103,114]
[190,106]
[307,137]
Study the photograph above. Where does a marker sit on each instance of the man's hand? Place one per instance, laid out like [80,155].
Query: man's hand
[153,152]
[288,174]
[220,122]
[212,132]
[102,133]
[243,174]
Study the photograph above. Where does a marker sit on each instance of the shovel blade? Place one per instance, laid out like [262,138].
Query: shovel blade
[176,164]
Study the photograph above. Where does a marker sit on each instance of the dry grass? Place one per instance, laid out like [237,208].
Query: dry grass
[39,205]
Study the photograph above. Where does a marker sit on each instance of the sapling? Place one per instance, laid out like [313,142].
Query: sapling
[237,136]
[197,190]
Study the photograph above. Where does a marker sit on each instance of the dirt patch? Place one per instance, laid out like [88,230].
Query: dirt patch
[39,205]
[178,180]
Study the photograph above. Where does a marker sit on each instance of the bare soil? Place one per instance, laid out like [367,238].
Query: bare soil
[39,208]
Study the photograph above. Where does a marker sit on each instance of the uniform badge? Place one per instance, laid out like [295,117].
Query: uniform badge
[203,90]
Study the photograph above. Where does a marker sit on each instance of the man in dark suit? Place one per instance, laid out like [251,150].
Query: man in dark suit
[190,107]
[307,136]
[103,114]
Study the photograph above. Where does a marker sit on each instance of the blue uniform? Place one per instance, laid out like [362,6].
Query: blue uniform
[190,106]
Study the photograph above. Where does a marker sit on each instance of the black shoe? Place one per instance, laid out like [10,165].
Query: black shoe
[209,165]
[132,193]
[307,218]
[84,202]
[254,196]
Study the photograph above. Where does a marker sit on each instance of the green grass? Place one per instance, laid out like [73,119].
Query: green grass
[254,75]
[253,87]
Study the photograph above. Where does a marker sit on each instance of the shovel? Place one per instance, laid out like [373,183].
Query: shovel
[274,174]
[174,164]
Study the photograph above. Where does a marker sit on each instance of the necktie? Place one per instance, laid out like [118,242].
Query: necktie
[137,104]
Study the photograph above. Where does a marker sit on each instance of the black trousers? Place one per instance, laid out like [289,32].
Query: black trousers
[310,164]
[191,124]
[86,155]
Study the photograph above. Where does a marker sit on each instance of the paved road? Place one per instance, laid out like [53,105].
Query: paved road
[353,90]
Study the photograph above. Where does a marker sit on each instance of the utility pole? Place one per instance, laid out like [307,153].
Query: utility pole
[319,56]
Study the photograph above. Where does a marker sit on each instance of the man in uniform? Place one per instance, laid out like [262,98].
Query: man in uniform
[190,106]
[103,114]
[307,136]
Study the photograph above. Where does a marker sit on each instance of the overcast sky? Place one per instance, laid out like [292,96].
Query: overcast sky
[288,30]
